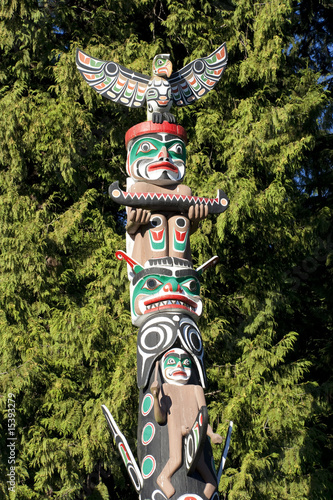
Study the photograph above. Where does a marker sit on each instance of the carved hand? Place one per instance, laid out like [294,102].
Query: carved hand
[216,438]
[155,389]
[195,214]
[137,217]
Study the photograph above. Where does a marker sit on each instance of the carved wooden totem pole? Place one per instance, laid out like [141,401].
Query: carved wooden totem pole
[174,436]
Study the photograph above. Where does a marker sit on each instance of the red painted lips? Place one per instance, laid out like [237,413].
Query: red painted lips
[162,165]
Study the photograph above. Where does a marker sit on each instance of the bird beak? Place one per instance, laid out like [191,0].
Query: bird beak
[169,68]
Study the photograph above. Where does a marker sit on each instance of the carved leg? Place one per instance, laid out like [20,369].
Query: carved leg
[179,237]
[151,241]
[173,464]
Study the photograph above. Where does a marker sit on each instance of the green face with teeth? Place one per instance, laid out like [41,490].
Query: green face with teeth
[165,291]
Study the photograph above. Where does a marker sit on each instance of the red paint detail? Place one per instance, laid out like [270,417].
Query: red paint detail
[88,76]
[123,256]
[162,298]
[84,59]
[152,128]
[200,419]
[180,236]
[100,86]
[127,455]
[221,54]
[157,235]
[180,372]
[173,306]
[164,165]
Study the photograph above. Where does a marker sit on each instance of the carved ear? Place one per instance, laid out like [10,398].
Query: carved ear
[211,262]
[135,266]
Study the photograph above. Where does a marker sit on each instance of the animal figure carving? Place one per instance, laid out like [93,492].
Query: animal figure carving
[159,92]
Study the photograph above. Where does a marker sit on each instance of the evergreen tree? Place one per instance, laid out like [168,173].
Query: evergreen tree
[264,136]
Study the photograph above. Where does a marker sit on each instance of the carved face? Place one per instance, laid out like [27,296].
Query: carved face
[165,290]
[176,367]
[162,65]
[156,158]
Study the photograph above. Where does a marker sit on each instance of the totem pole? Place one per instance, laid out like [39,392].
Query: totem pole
[174,436]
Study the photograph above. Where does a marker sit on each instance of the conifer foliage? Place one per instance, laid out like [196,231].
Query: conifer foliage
[264,136]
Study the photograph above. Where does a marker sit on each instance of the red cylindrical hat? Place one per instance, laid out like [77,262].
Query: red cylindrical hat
[151,128]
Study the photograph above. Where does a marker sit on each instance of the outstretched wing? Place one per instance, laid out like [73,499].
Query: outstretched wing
[112,80]
[198,77]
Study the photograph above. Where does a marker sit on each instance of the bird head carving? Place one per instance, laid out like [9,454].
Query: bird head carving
[162,66]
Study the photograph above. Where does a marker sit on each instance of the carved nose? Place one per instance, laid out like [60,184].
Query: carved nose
[172,287]
[167,287]
[163,154]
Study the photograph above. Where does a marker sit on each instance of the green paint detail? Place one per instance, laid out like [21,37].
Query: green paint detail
[157,246]
[180,246]
[176,360]
[212,60]
[117,89]
[129,93]
[95,64]
[141,287]
[146,404]
[157,146]
[147,433]
[123,453]
[147,466]
[137,269]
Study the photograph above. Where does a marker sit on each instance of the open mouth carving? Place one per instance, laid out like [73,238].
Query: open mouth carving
[173,301]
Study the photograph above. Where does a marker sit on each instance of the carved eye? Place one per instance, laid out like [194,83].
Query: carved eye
[152,284]
[191,285]
[176,148]
[171,361]
[187,362]
[145,147]
[160,62]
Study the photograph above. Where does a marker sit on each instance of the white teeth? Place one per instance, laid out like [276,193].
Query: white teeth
[170,303]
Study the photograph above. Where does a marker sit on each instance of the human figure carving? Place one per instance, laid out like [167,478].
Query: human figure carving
[177,403]
[156,158]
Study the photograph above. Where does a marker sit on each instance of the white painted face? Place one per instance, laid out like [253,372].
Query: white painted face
[176,367]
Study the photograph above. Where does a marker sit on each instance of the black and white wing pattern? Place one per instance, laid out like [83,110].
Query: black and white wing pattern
[198,77]
[113,81]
